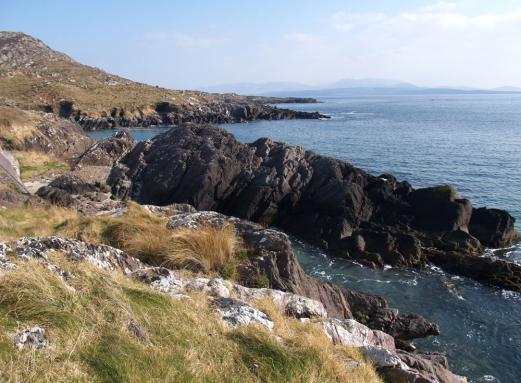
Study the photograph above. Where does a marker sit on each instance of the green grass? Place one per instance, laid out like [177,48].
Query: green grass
[90,341]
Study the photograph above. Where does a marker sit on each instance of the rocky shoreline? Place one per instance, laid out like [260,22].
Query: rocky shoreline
[372,220]
[166,114]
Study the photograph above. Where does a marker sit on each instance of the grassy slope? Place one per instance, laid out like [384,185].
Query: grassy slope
[92,90]
[88,327]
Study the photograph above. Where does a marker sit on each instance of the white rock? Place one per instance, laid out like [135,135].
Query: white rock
[349,332]
[238,313]
[31,338]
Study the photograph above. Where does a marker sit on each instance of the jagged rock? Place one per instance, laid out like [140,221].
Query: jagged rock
[31,338]
[493,227]
[108,150]
[422,368]
[216,287]
[324,200]
[238,313]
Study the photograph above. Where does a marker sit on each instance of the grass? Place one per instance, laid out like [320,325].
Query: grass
[138,232]
[205,249]
[88,331]
[35,164]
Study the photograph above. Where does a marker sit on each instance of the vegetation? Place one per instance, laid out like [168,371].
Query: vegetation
[34,164]
[138,232]
[90,341]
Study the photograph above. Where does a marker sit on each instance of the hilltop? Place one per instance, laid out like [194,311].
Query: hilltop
[34,76]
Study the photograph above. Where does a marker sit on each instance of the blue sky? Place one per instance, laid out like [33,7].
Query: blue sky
[188,44]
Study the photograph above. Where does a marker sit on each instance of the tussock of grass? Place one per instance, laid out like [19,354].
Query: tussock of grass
[34,164]
[207,248]
[88,331]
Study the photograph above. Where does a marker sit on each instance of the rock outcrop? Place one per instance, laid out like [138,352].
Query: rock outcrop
[41,132]
[107,151]
[373,220]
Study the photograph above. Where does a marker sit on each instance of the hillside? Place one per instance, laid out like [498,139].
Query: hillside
[33,76]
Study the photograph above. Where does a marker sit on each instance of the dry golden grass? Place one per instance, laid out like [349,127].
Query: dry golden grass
[34,164]
[138,232]
[204,249]
[88,331]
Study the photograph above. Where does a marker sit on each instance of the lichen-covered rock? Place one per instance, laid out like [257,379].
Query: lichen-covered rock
[238,313]
[160,278]
[101,256]
[354,334]
[294,305]
[31,338]
[5,264]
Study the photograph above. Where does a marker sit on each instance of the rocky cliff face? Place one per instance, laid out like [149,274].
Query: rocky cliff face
[373,220]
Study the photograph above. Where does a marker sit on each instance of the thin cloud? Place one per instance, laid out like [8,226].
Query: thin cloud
[184,40]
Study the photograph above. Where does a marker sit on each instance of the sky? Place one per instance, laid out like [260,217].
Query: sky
[196,43]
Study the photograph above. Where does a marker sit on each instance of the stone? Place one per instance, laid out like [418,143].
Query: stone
[238,313]
[160,278]
[31,338]
[136,329]
[101,256]
[351,333]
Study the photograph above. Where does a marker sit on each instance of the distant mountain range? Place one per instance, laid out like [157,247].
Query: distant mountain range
[342,87]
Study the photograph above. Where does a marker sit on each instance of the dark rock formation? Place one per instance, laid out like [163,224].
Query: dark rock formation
[71,191]
[106,152]
[227,111]
[374,220]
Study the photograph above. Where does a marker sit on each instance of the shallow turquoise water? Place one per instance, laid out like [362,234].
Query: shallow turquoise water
[472,141]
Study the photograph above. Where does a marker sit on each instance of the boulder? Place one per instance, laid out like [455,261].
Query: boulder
[238,313]
[493,227]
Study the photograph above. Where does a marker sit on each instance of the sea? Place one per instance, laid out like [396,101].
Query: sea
[469,140]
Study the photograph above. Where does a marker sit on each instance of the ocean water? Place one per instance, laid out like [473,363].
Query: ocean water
[472,141]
